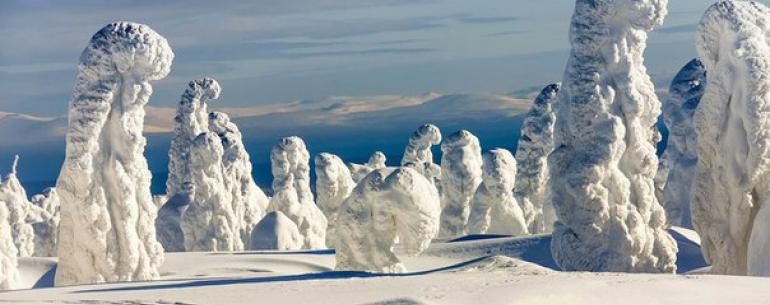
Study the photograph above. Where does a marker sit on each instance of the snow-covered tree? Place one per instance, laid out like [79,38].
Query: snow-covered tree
[333,184]
[168,223]
[291,191]
[106,231]
[47,227]
[604,160]
[461,175]
[276,232]
[9,273]
[681,155]
[535,144]
[418,154]
[20,211]
[731,199]
[387,205]
[494,209]
[359,171]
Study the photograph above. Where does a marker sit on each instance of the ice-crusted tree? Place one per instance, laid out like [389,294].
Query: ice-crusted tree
[168,224]
[535,144]
[461,175]
[604,160]
[333,184]
[9,273]
[290,163]
[248,200]
[387,205]
[47,227]
[20,212]
[494,209]
[359,171]
[681,155]
[731,199]
[418,154]
[106,231]
[276,232]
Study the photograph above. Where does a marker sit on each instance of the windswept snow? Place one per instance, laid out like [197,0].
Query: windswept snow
[47,226]
[389,204]
[418,154]
[20,210]
[107,213]
[460,176]
[359,171]
[333,185]
[604,161]
[494,209]
[276,232]
[535,144]
[730,203]
[9,273]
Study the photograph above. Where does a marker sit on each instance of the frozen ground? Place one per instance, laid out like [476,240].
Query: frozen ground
[470,270]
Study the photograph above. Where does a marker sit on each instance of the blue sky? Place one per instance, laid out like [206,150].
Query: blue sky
[270,51]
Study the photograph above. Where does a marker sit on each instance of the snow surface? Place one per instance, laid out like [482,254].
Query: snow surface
[21,212]
[730,202]
[418,153]
[460,177]
[535,144]
[359,171]
[494,209]
[387,205]
[106,231]
[333,185]
[276,232]
[604,161]
[46,226]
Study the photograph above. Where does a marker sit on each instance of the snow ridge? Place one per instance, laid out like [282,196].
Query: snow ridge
[494,209]
[461,175]
[333,184]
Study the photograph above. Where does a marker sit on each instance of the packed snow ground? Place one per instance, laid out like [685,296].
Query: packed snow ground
[476,269]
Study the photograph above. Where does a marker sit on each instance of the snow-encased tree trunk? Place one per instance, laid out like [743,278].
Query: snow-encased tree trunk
[681,155]
[9,273]
[419,156]
[106,231]
[333,184]
[276,232]
[535,144]
[604,160]
[731,199]
[359,171]
[248,200]
[169,221]
[47,228]
[460,176]
[209,223]
[389,204]
[290,163]
[494,209]
[20,211]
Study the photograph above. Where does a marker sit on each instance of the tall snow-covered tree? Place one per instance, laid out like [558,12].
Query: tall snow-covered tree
[333,184]
[494,209]
[419,156]
[20,211]
[461,175]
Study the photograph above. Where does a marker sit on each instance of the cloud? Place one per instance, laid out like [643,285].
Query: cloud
[487,20]
[685,28]
[506,33]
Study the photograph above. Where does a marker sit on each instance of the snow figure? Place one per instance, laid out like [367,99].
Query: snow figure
[333,184]
[191,120]
[387,205]
[248,200]
[9,273]
[47,228]
[359,171]
[168,223]
[681,156]
[535,144]
[20,211]
[276,232]
[418,153]
[731,198]
[209,222]
[494,209]
[106,232]
[604,161]
[461,175]
[291,187]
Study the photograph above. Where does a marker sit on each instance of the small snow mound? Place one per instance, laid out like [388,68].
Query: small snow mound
[276,232]
[501,263]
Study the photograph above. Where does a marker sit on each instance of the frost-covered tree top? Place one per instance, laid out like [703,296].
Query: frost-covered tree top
[9,273]
[535,144]
[729,206]
[107,213]
[418,152]
[389,204]
[333,184]
[461,175]
[604,160]
[359,171]
[494,208]
[20,210]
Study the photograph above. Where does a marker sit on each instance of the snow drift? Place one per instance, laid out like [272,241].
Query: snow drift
[388,204]
[359,171]
[494,208]
[460,176]
[276,232]
[20,211]
[107,213]
[604,160]
[333,184]
[418,154]
[730,207]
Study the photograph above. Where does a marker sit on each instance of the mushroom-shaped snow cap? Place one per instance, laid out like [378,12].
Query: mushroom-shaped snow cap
[429,133]
[499,168]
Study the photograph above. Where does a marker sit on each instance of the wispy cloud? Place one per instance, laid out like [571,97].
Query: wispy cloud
[685,28]
[485,20]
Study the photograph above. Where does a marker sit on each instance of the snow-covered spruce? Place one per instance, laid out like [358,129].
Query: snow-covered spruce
[460,176]
[535,144]
[168,224]
[359,171]
[9,273]
[276,232]
[387,205]
[20,211]
[494,209]
[418,154]
[333,184]
[248,200]
[681,155]
[47,227]
[106,231]
[291,191]
[604,160]
[731,198]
